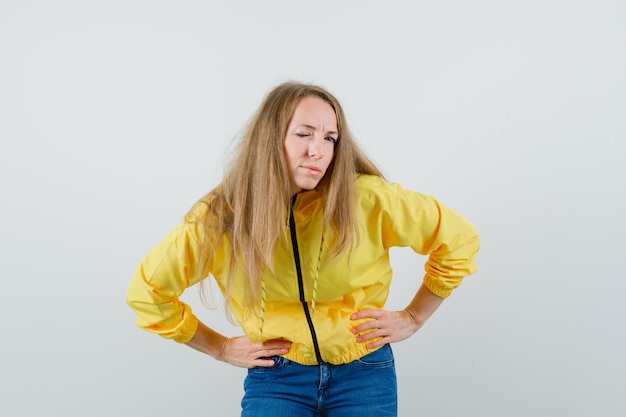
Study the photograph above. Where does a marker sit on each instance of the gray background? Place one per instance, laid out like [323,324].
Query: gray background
[115,116]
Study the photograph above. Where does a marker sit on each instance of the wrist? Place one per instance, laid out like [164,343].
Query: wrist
[413,318]
[207,340]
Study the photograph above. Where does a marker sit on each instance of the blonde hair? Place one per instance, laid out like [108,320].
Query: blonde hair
[251,204]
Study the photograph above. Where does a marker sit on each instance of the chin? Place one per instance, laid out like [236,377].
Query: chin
[308,186]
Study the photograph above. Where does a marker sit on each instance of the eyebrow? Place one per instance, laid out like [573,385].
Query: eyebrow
[330,132]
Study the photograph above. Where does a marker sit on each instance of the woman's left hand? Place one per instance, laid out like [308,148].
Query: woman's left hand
[385,326]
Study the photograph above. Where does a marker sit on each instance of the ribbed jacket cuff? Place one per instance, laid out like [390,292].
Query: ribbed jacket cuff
[440,289]
[188,331]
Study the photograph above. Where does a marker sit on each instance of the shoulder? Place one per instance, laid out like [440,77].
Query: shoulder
[365,182]
[373,186]
[205,216]
[377,193]
[200,211]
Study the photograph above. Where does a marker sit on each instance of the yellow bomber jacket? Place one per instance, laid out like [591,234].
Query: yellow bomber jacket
[390,215]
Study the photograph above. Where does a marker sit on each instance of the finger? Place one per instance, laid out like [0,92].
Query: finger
[376,343]
[373,339]
[267,353]
[362,328]
[263,362]
[367,314]
[369,336]
[368,325]
[276,344]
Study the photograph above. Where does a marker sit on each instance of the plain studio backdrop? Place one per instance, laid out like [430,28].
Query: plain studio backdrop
[116,116]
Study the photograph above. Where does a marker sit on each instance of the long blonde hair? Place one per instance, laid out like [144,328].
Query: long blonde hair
[251,204]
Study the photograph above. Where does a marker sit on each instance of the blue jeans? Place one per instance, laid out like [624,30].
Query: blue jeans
[364,388]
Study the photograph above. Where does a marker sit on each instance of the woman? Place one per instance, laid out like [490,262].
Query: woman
[297,238]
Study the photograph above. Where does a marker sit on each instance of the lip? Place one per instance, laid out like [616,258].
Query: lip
[312,169]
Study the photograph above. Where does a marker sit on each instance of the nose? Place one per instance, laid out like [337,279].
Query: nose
[316,147]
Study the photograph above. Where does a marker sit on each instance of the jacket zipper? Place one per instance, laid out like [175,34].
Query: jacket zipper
[305,305]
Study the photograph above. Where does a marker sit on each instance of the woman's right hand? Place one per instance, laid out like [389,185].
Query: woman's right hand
[238,351]
[241,352]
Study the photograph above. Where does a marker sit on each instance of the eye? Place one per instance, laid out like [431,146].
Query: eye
[331,139]
[302,135]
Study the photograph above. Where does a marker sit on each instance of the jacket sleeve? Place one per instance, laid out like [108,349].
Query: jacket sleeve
[161,278]
[432,229]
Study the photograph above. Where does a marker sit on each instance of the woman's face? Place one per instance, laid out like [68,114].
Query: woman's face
[310,142]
